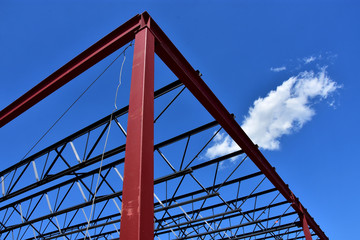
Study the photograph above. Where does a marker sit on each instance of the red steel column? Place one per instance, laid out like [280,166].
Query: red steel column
[305,226]
[172,57]
[137,219]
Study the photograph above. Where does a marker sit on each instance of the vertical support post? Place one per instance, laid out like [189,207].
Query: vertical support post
[302,216]
[137,218]
[305,227]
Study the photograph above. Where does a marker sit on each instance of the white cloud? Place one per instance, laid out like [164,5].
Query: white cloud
[309,59]
[283,111]
[223,145]
[278,69]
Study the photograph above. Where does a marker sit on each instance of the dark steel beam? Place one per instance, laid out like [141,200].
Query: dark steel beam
[171,56]
[104,120]
[64,172]
[63,211]
[102,235]
[281,235]
[93,223]
[269,230]
[223,215]
[236,180]
[183,70]
[226,228]
[79,227]
[117,194]
[222,204]
[109,154]
[186,202]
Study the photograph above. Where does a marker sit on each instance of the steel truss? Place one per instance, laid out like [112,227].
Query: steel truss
[50,194]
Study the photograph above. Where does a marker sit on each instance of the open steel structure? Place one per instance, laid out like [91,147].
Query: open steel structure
[57,193]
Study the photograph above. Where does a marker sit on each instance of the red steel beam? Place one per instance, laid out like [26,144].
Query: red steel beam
[171,56]
[137,218]
[305,227]
[302,217]
[182,69]
[107,45]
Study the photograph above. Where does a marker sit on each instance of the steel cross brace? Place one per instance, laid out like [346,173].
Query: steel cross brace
[137,27]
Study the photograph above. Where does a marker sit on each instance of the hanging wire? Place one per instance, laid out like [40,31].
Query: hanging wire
[62,115]
[118,86]
[67,110]
[3,178]
[106,140]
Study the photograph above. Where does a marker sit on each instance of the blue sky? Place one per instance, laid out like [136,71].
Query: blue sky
[244,49]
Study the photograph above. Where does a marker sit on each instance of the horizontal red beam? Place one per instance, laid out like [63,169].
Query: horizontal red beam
[107,45]
[182,69]
[171,56]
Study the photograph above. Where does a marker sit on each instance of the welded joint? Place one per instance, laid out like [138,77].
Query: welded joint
[295,203]
[145,22]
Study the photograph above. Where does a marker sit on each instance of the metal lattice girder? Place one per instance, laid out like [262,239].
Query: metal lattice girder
[170,207]
[46,166]
[235,205]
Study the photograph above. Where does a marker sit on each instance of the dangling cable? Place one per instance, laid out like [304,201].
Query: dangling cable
[117,89]
[106,140]
[52,126]
[3,178]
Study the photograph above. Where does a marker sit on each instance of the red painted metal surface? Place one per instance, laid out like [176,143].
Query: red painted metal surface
[305,227]
[137,219]
[140,129]
[104,47]
[191,79]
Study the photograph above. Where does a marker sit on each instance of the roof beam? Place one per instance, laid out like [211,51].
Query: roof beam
[94,54]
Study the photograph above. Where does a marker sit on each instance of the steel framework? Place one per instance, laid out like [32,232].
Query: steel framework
[255,203]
